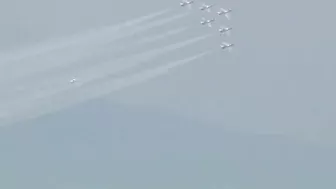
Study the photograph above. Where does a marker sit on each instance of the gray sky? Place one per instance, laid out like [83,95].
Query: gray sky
[102,145]
[261,117]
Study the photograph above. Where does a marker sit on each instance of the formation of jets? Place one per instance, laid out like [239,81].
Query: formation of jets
[221,12]
[206,22]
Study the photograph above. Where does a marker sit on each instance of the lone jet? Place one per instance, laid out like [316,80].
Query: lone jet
[228,46]
[206,7]
[226,12]
[208,22]
[73,80]
[225,30]
[186,3]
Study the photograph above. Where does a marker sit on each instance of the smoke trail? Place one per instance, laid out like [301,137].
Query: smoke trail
[10,88]
[50,86]
[84,37]
[105,87]
[65,56]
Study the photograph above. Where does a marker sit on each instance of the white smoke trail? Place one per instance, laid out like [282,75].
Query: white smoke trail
[64,57]
[41,80]
[96,90]
[92,34]
[49,86]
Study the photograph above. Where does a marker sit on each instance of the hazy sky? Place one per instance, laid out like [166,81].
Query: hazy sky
[108,145]
[261,117]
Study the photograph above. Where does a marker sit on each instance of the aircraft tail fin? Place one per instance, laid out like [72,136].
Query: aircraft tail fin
[228,16]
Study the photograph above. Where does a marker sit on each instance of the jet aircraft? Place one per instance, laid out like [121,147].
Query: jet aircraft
[73,80]
[186,3]
[206,7]
[225,30]
[228,46]
[226,13]
[208,22]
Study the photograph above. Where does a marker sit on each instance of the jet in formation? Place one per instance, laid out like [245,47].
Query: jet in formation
[205,7]
[225,30]
[74,80]
[186,3]
[208,22]
[228,46]
[225,12]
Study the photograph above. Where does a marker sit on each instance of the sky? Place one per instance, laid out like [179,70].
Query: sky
[158,104]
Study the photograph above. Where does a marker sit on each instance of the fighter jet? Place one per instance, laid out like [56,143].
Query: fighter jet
[225,30]
[73,80]
[226,12]
[228,46]
[186,3]
[206,7]
[208,22]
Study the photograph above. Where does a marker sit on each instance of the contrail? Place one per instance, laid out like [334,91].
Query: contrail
[154,38]
[9,88]
[97,89]
[50,86]
[80,38]
[116,55]
[65,57]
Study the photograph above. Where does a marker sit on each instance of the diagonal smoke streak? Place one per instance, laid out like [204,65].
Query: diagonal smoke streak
[79,38]
[45,79]
[64,57]
[58,102]
[51,86]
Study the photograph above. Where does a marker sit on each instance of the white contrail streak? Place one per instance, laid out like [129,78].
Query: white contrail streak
[82,94]
[87,36]
[154,38]
[49,86]
[48,78]
[66,56]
